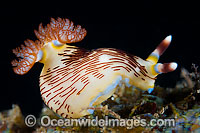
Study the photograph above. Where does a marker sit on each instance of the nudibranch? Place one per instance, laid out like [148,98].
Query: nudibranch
[73,79]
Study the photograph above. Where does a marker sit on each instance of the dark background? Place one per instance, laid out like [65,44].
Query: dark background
[136,27]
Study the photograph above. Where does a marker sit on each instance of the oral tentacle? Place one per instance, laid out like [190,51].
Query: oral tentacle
[160,49]
[166,67]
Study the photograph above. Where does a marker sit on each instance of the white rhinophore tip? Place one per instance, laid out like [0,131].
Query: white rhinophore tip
[169,38]
[173,65]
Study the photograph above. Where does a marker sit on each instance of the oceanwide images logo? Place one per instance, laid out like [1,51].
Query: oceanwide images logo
[46,121]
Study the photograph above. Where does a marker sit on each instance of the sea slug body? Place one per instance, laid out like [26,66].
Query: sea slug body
[74,79]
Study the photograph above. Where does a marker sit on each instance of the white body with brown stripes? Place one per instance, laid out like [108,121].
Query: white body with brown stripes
[75,80]
[71,87]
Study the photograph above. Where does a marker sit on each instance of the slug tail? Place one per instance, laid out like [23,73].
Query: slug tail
[27,56]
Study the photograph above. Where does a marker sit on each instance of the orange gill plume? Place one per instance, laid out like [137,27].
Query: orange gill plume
[61,30]
[27,56]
